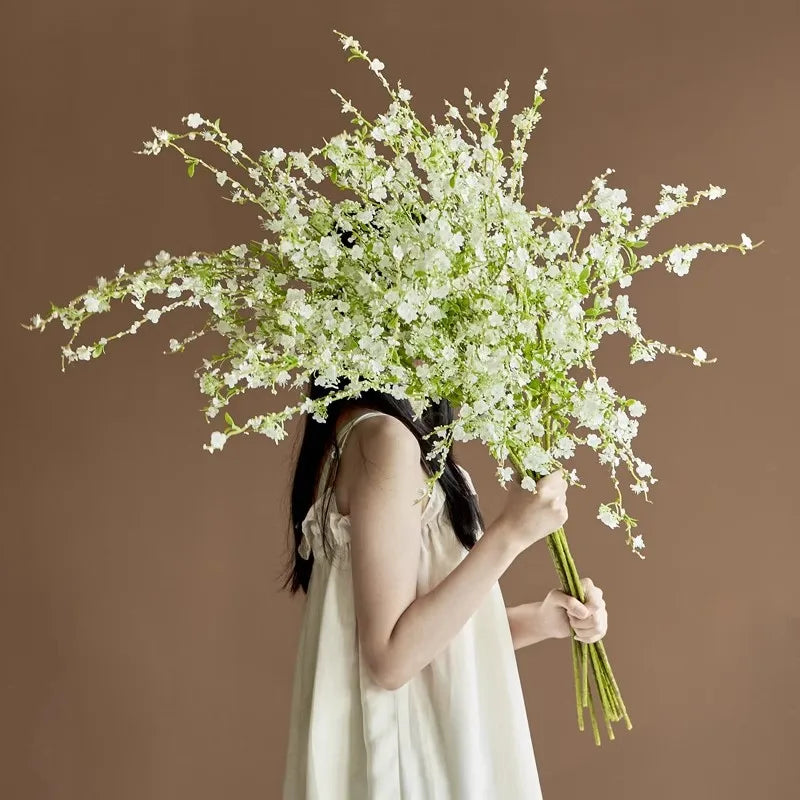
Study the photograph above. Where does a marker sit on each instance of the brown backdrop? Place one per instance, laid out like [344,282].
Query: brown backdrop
[147,651]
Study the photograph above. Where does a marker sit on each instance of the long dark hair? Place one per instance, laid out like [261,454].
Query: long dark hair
[319,437]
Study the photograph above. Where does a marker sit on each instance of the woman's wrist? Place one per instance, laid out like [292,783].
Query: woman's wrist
[503,534]
[526,624]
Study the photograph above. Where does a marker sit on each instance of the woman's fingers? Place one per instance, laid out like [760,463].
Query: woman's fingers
[585,625]
[595,623]
[593,596]
[590,590]
[598,627]
[589,639]
[594,607]
[593,627]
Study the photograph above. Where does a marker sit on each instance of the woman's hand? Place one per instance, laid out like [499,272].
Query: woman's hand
[560,614]
[530,516]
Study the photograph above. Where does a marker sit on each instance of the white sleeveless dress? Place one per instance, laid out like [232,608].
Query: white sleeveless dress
[457,730]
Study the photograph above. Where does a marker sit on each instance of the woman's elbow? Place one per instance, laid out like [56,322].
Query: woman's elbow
[386,673]
[391,682]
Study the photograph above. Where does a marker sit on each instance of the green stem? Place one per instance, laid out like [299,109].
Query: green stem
[585,675]
[559,568]
[578,688]
[595,729]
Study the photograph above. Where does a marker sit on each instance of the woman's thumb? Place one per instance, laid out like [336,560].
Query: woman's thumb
[571,604]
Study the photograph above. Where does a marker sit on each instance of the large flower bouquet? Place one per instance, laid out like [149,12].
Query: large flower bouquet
[448,286]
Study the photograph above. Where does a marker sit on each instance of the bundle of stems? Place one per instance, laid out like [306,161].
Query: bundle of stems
[583,653]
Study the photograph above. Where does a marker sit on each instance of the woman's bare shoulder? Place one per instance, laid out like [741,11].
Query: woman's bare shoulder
[380,447]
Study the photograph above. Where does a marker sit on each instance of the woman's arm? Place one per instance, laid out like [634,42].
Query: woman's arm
[525,623]
[400,633]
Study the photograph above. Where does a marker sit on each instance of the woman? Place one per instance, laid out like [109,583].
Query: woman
[406,683]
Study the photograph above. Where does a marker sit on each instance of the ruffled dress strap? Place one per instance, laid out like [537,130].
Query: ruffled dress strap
[341,437]
[311,530]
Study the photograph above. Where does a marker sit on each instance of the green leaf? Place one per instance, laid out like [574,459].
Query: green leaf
[594,312]
[229,420]
[190,168]
[583,286]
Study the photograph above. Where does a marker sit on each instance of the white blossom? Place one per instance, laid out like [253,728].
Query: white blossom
[608,516]
[218,439]
[699,354]
[637,408]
